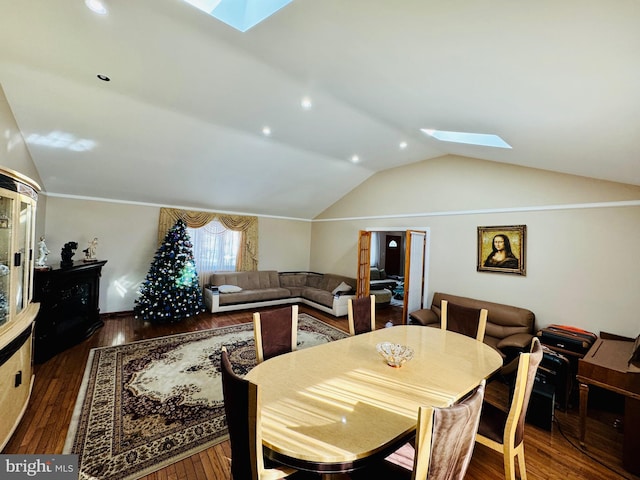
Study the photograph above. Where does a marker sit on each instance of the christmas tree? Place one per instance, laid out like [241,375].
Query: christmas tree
[171,291]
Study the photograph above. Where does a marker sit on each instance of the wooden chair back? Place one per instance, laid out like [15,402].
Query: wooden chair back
[445,438]
[468,321]
[275,332]
[242,412]
[361,313]
[504,432]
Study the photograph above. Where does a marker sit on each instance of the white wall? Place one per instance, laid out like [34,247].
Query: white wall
[127,236]
[285,245]
[13,150]
[583,263]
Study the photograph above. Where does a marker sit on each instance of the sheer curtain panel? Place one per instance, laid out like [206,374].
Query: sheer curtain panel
[215,248]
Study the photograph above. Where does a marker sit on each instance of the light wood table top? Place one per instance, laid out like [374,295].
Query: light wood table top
[330,406]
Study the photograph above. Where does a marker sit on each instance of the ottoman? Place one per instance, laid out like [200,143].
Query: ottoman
[383,296]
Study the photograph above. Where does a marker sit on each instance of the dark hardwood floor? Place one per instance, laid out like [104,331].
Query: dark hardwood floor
[549,455]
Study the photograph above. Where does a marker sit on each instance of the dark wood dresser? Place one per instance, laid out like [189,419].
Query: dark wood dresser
[69,307]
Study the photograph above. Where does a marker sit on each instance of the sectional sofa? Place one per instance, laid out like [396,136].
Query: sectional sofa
[229,291]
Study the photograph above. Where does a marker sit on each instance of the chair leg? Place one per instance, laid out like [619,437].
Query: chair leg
[521,465]
[509,466]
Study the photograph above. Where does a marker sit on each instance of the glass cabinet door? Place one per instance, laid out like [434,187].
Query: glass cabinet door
[6,223]
[22,258]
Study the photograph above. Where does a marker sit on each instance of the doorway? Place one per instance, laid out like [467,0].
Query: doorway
[374,244]
[394,246]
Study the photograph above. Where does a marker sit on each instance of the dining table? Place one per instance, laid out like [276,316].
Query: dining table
[336,406]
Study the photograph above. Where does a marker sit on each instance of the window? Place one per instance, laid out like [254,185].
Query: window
[221,242]
[215,248]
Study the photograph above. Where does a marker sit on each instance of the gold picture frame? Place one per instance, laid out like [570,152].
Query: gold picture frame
[502,249]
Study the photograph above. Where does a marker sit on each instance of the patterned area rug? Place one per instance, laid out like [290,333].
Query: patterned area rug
[145,405]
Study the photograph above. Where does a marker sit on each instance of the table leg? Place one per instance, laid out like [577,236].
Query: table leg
[584,398]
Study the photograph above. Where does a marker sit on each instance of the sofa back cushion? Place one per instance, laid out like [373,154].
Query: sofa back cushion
[502,320]
[298,279]
[247,280]
[315,280]
[331,281]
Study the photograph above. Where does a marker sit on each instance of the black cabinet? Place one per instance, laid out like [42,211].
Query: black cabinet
[69,310]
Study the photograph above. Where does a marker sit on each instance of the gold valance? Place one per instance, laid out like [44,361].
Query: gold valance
[247,225]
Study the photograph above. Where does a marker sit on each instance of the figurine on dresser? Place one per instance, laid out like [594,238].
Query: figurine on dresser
[43,251]
[67,253]
[90,251]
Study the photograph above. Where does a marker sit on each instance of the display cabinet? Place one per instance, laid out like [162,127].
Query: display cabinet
[18,199]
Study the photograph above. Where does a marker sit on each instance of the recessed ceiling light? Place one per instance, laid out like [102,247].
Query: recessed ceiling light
[355,158]
[96,6]
[306,103]
[403,145]
[104,78]
[483,139]
[266,131]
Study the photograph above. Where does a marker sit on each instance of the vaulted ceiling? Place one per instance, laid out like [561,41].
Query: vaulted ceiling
[181,121]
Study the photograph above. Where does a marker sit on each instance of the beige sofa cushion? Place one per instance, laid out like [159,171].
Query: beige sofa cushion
[257,295]
[248,280]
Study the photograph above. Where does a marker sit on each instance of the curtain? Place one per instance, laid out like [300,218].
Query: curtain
[375,250]
[215,248]
[247,259]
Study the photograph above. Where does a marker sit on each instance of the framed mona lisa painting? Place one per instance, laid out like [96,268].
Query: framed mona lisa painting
[502,249]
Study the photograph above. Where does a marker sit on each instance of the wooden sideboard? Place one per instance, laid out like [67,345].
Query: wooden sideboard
[69,307]
[606,365]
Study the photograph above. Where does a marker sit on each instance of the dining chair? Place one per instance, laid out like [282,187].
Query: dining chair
[444,442]
[275,332]
[504,431]
[361,314]
[242,411]
[468,321]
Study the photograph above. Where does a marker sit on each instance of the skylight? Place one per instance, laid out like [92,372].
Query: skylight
[240,14]
[484,139]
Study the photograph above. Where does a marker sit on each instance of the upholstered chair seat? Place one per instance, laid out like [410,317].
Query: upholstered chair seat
[493,424]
